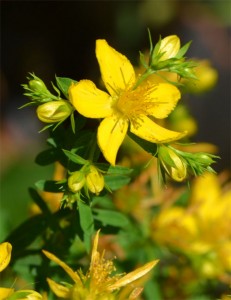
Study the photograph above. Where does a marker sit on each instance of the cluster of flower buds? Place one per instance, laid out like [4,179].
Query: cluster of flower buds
[51,108]
[88,177]
[179,165]
[168,56]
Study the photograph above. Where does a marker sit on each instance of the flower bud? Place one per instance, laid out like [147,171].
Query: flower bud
[95,180]
[206,78]
[170,46]
[54,111]
[203,158]
[173,165]
[37,85]
[76,181]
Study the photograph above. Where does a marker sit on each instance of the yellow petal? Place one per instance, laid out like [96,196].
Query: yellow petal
[5,293]
[95,253]
[89,101]
[116,70]
[5,255]
[111,133]
[27,295]
[165,97]
[66,268]
[134,275]
[148,130]
[59,290]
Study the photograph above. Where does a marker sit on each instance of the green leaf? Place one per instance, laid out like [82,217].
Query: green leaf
[49,186]
[46,157]
[26,233]
[110,217]
[64,84]
[114,170]
[75,158]
[86,223]
[115,182]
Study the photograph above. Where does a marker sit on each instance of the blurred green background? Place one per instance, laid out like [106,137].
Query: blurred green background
[58,38]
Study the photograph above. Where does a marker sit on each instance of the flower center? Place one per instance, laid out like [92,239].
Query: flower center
[133,103]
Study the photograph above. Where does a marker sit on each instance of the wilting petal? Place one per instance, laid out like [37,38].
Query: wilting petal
[59,290]
[148,130]
[62,264]
[165,97]
[89,101]
[5,255]
[111,133]
[116,70]
[132,276]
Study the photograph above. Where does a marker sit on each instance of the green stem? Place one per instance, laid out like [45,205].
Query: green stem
[147,73]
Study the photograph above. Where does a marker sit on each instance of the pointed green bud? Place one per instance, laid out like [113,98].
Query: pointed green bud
[76,181]
[203,158]
[54,111]
[95,180]
[37,85]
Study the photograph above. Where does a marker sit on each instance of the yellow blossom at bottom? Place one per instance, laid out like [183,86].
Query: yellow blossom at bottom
[202,229]
[98,283]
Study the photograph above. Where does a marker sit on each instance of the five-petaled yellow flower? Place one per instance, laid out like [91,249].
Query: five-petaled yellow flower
[99,283]
[124,106]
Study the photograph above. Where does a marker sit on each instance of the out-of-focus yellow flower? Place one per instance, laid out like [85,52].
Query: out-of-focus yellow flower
[181,120]
[98,283]
[206,75]
[201,230]
[125,105]
[54,111]
[5,255]
[170,46]
[9,293]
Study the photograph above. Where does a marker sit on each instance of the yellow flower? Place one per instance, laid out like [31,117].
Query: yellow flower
[207,77]
[202,229]
[5,255]
[6,293]
[124,106]
[97,284]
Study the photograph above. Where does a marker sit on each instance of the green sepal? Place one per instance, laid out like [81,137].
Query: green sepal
[183,50]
